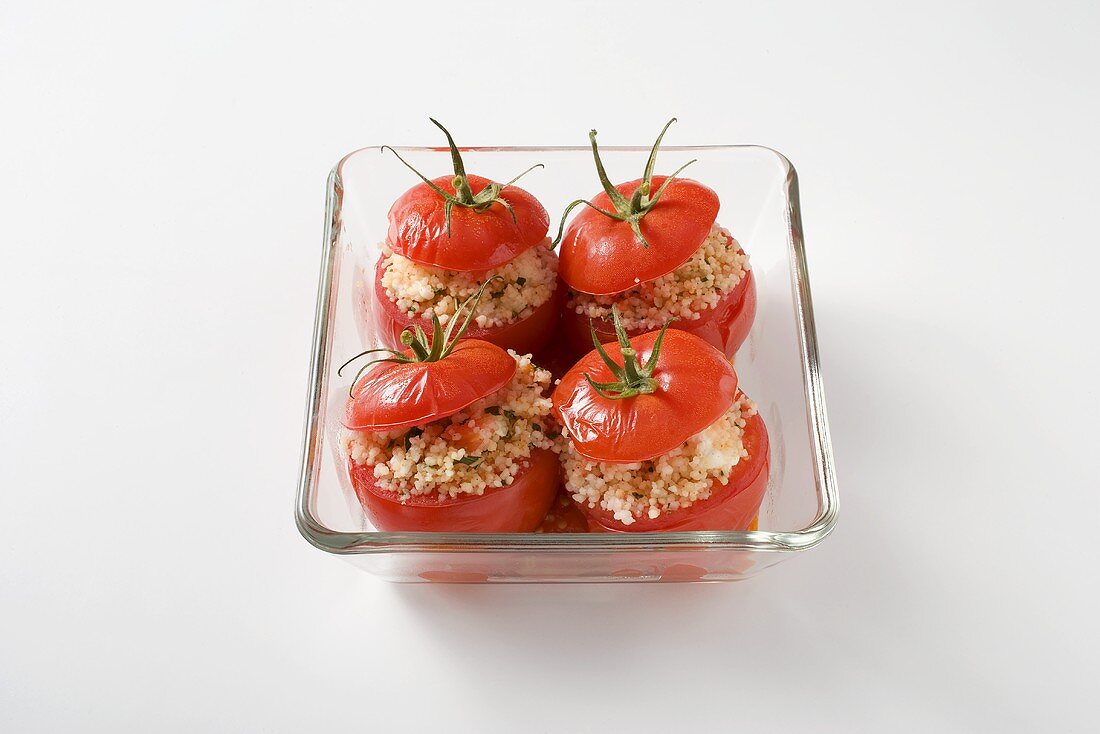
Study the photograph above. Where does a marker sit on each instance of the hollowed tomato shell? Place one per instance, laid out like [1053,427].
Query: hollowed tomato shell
[478,240]
[733,506]
[517,508]
[726,325]
[527,335]
[601,255]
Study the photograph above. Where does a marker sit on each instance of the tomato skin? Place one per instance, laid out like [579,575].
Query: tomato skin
[517,508]
[397,395]
[478,240]
[602,256]
[733,506]
[725,326]
[696,385]
[526,336]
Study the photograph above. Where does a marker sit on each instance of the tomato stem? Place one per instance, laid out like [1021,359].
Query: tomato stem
[630,210]
[441,343]
[414,342]
[631,378]
[464,196]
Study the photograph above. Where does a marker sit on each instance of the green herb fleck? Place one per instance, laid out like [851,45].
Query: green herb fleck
[413,433]
[521,281]
[470,461]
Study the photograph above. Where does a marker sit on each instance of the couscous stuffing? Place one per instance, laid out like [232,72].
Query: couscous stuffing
[670,482]
[709,274]
[483,446]
[527,282]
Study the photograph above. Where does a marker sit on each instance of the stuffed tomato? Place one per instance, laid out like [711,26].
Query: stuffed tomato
[451,435]
[657,436]
[447,237]
[653,247]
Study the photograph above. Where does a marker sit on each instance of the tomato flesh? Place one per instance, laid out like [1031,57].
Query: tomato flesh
[733,506]
[563,516]
[517,508]
[725,326]
[526,336]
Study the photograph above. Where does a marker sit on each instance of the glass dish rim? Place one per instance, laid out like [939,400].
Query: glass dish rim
[373,542]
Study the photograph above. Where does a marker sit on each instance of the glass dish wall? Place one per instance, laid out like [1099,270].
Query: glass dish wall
[777,366]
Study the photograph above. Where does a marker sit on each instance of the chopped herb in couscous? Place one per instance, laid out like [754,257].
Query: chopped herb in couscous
[710,273]
[670,482]
[526,283]
[485,445]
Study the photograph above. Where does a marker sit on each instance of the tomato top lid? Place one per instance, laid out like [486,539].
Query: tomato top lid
[634,232]
[430,379]
[443,223]
[635,400]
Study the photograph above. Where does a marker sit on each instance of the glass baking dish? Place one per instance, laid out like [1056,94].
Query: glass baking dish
[777,366]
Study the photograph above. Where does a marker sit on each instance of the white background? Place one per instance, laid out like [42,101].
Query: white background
[161,192]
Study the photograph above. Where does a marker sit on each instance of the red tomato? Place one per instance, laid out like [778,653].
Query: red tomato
[733,506]
[563,517]
[638,231]
[527,335]
[726,325]
[400,394]
[602,256]
[464,222]
[517,508]
[479,240]
[434,378]
[691,386]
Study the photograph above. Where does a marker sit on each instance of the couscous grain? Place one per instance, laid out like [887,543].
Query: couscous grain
[710,273]
[670,482]
[485,445]
[526,283]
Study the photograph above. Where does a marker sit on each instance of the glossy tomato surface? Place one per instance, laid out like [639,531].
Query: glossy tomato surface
[601,255]
[393,395]
[733,506]
[517,508]
[527,335]
[696,385]
[726,325]
[478,240]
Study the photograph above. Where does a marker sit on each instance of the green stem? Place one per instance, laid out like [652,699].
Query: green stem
[632,379]
[441,344]
[612,193]
[412,340]
[648,174]
[456,157]
[464,195]
[630,210]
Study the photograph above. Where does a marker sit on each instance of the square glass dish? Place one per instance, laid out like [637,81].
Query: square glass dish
[777,366]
